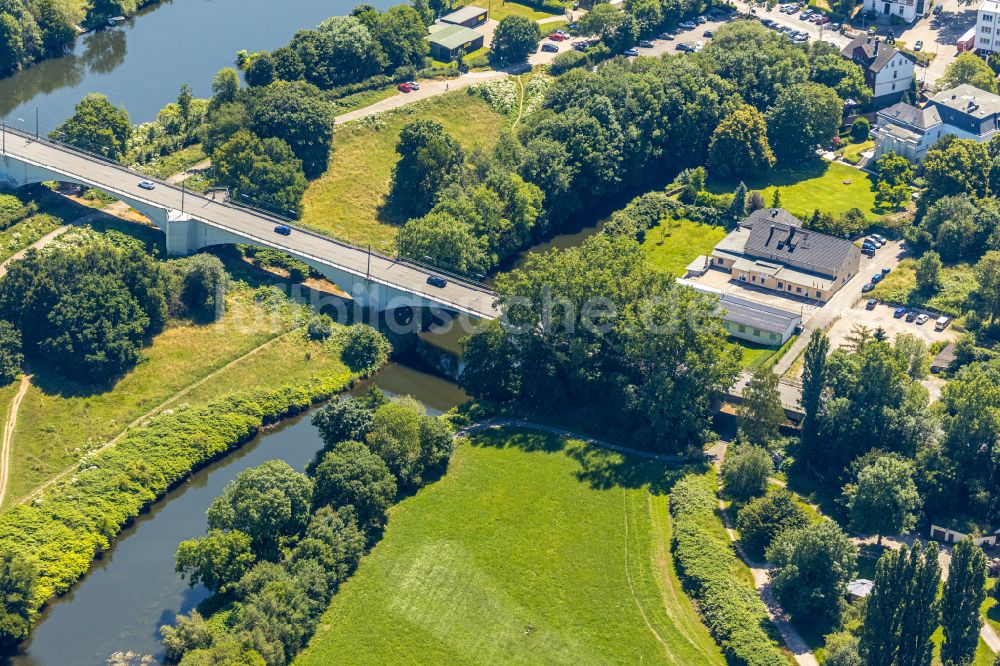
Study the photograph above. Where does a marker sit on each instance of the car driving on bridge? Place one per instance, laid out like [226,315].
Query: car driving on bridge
[436,281]
[283,229]
[147,184]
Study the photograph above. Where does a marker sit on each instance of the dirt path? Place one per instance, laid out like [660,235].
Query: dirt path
[762,580]
[8,434]
[187,173]
[990,636]
[139,420]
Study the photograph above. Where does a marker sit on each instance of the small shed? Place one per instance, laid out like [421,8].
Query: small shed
[469,16]
[945,359]
[697,268]
[860,588]
[447,40]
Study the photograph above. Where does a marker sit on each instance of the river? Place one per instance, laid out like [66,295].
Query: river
[142,63]
[132,589]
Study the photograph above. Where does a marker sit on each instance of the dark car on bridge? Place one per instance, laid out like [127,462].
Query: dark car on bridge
[436,281]
[283,229]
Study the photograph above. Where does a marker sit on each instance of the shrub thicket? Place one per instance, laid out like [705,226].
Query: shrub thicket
[731,608]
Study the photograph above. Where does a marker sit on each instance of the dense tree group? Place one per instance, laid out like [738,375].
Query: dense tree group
[87,312]
[34,29]
[280,543]
[347,49]
[593,329]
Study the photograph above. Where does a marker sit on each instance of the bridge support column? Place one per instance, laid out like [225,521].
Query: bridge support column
[183,234]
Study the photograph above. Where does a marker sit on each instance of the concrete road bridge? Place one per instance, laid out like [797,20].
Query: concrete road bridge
[192,222]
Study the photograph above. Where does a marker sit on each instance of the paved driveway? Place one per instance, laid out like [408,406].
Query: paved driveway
[939,35]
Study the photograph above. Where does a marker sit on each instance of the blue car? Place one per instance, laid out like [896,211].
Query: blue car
[876,278]
[283,229]
[899,313]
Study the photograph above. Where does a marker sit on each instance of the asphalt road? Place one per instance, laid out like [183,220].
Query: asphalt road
[467,298]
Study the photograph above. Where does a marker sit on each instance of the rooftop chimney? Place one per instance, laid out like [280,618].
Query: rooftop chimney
[774,213]
[770,232]
[791,234]
[876,46]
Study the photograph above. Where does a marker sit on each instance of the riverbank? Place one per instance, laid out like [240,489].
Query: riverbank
[74,520]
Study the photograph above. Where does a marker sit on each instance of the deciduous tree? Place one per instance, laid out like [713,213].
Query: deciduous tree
[884,500]
[739,145]
[746,471]
[804,115]
[96,126]
[760,412]
[514,39]
[812,568]
[969,68]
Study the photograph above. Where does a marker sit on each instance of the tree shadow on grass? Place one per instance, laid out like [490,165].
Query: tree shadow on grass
[600,468]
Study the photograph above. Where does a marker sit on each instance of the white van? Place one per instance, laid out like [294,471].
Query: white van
[942,323]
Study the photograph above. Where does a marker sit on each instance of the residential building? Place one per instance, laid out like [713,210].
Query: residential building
[750,320]
[907,10]
[469,16]
[963,111]
[447,40]
[888,73]
[988,26]
[771,250]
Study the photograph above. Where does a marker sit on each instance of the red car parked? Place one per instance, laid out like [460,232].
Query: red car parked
[404,87]
[556,37]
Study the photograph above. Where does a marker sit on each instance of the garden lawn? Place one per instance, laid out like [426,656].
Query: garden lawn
[852,151]
[900,286]
[674,244]
[531,11]
[531,549]
[347,200]
[816,185]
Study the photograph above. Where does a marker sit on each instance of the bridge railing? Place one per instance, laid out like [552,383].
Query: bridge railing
[433,296]
[259,212]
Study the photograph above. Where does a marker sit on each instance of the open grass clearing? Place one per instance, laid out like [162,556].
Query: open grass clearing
[674,244]
[827,186]
[347,201]
[531,549]
[900,286]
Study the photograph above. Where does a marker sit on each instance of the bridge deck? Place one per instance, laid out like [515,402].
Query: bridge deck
[466,297]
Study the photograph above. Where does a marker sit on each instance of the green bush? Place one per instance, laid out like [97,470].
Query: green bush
[761,521]
[567,61]
[860,129]
[731,608]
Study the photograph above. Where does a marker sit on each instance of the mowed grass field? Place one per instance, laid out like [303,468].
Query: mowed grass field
[347,200]
[816,185]
[674,244]
[531,549]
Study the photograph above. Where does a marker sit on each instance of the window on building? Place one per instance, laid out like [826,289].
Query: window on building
[798,290]
[819,294]
[893,86]
[781,286]
[742,328]
[774,336]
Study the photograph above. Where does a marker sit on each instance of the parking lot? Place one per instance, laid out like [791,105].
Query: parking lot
[882,316]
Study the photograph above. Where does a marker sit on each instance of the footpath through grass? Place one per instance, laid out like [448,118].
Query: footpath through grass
[531,549]
[827,186]
[347,201]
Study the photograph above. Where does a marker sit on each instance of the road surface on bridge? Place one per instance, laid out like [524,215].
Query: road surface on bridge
[459,295]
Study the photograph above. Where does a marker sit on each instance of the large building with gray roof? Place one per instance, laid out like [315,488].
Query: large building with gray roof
[964,111]
[751,320]
[771,250]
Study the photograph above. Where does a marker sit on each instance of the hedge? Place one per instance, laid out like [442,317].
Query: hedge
[71,523]
[731,608]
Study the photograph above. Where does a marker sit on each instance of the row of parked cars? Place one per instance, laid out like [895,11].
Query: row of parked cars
[919,318]
[872,243]
[797,36]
